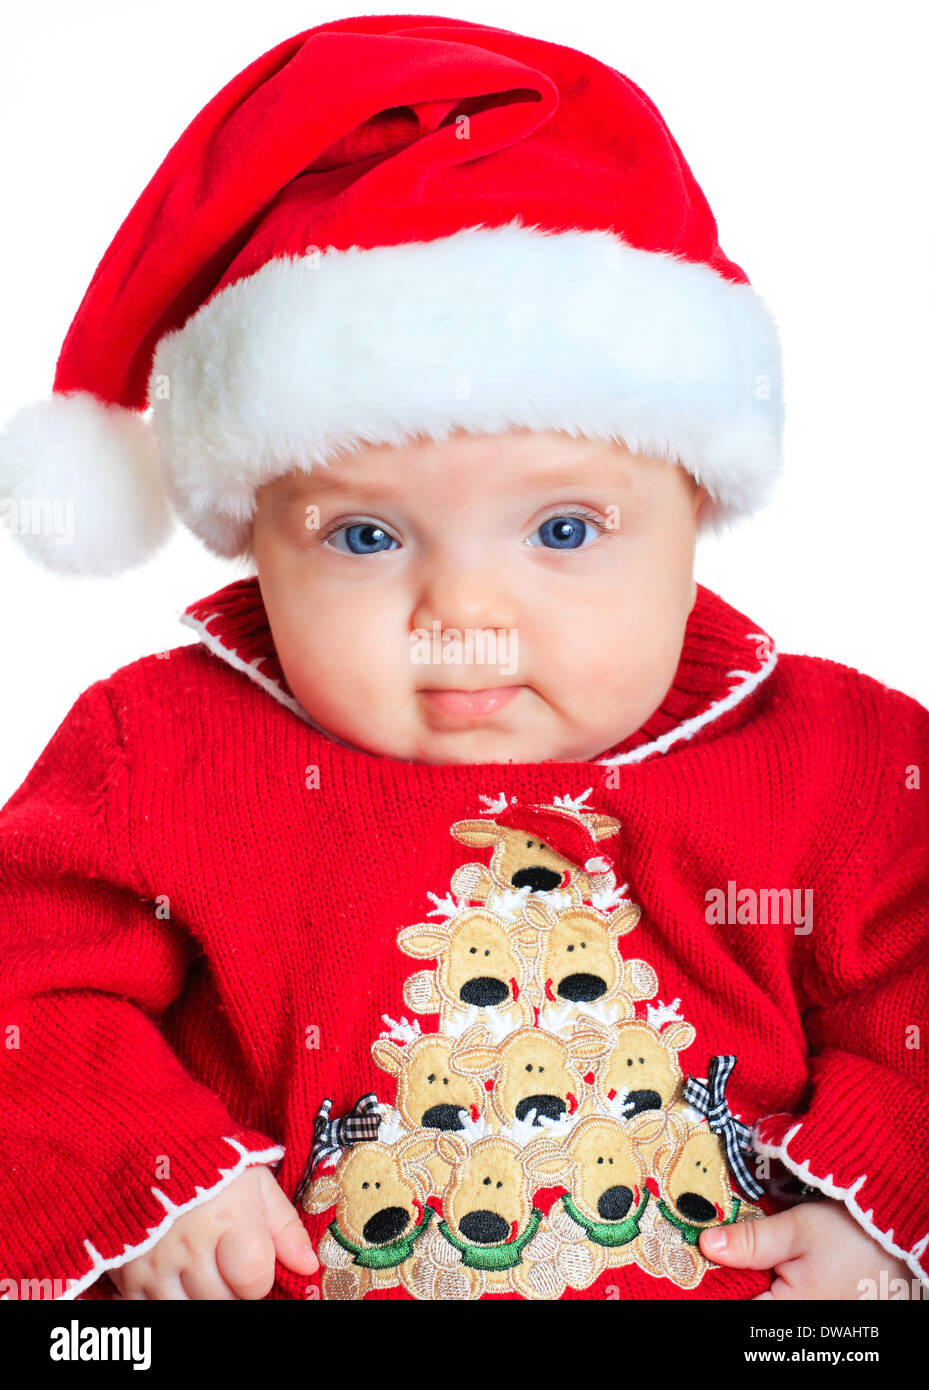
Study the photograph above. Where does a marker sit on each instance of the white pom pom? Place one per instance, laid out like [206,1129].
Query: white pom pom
[81,485]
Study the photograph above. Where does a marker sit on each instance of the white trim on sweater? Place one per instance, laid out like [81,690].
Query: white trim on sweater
[250,668]
[749,682]
[130,1252]
[844,1194]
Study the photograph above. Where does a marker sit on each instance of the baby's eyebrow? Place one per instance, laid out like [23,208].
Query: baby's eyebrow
[609,475]
[321,480]
[328,482]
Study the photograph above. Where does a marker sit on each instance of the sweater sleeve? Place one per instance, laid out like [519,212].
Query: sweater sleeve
[862,1136]
[105,1137]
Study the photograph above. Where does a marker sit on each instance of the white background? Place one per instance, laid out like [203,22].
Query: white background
[805,125]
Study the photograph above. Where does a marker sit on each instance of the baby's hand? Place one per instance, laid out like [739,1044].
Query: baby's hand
[224,1248]
[817,1249]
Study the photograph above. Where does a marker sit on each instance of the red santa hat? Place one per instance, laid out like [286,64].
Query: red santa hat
[569,833]
[390,227]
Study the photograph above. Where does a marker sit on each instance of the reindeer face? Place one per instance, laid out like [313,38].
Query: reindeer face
[430,1095]
[532,1070]
[481,966]
[488,1200]
[644,1062]
[535,1076]
[521,861]
[579,960]
[695,1180]
[479,963]
[378,1201]
[608,1176]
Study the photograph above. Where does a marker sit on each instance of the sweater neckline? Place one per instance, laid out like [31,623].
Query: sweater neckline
[724,659]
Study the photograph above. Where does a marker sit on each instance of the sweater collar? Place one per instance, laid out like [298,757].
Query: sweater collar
[724,659]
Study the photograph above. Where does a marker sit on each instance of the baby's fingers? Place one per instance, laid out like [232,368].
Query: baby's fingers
[760,1244]
[202,1280]
[781,1290]
[291,1242]
[245,1259]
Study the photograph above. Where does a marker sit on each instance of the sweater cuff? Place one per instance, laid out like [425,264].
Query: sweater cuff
[858,1146]
[76,1253]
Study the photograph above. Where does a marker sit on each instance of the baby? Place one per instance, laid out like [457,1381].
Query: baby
[576,539]
[448,348]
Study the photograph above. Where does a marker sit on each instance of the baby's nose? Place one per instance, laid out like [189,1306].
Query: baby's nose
[464,590]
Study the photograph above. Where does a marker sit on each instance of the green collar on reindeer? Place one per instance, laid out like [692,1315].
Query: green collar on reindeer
[688,1230]
[610,1233]
[504,1255]
[382,1256]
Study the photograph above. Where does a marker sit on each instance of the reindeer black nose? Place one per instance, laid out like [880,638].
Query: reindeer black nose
[442,1117]
[615,1203]
[552,1107]
[695,1207]
[385,1225]
[484,991]
[537,879]
[642,1100]
[484,1227]
[581,989]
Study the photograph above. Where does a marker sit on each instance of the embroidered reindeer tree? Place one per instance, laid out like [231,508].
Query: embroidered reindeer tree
[544,1130]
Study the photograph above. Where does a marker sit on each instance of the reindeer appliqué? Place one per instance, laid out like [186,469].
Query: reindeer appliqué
[539,1135]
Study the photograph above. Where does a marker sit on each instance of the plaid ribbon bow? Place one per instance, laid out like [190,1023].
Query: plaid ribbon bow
[331,1136]
[711,1101]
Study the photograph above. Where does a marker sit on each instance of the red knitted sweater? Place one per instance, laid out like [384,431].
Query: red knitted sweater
[214,918]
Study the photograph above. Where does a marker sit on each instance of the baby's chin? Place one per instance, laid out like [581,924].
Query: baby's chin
[510,743]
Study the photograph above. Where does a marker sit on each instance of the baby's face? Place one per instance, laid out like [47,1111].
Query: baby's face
[568,561]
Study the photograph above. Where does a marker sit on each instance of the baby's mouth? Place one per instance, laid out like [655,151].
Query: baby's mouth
[470,704]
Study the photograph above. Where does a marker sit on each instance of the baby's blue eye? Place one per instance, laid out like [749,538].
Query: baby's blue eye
[363,538]
[565,532]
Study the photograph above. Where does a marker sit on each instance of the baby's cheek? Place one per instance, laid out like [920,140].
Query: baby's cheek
[623,685]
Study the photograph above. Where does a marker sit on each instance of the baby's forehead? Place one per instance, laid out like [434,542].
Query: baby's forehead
[518,460]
